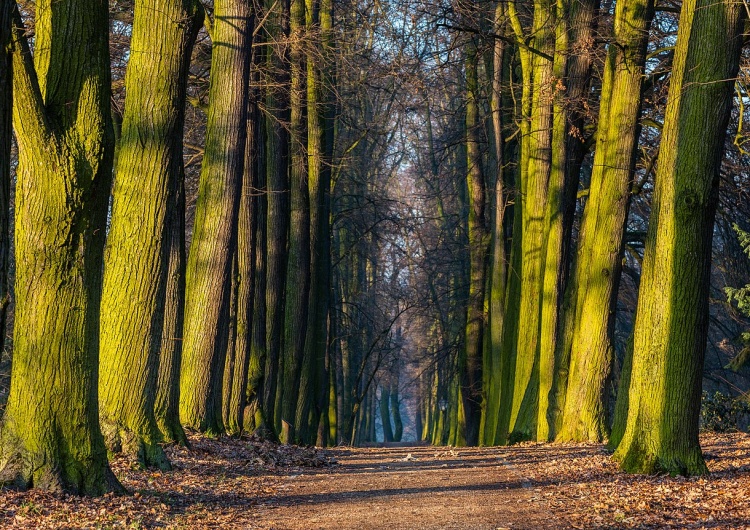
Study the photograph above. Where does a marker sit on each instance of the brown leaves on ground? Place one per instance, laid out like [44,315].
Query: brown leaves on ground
[584,485]
[217,483]
[230,483]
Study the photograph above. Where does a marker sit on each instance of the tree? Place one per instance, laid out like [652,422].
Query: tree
[596,278]
[139,245]
[50,433]
[209,266]
[661,432]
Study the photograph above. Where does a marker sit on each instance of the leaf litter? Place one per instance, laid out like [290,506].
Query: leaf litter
[248,483]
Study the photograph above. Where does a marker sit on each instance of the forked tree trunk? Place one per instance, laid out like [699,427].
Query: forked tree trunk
[661,433]
[138,251]
[209,267]
[50,435]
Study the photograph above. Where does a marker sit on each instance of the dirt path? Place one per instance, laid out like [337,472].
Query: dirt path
[248,484]
[417,487]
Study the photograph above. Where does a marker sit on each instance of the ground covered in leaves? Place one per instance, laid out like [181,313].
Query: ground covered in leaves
[230,483]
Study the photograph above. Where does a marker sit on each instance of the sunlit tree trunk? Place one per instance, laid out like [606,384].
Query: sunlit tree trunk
[209,267]
[50,435]
[661,433]
[136,263]
[600,243]
[535,165]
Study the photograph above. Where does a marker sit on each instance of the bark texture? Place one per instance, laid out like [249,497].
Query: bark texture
[50,435]
[600,245]
[138,252]
[661,433]
[209,267]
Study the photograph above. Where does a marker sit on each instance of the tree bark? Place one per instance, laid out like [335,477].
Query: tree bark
[471,384]
[209,267]
[50,435]
[661,433]
[137,257]
[600,244]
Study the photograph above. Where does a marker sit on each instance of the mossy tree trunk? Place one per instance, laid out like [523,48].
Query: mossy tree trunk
[661,433]
[209,267]
[598,264]
[498,269]
[50,435]
[137,257]
[534,171]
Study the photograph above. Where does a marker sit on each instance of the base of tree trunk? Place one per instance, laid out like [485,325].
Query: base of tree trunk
[173,433]
[634,457]
[52,469]
[144,450]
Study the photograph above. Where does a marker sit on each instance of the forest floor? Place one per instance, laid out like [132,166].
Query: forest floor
[229,483]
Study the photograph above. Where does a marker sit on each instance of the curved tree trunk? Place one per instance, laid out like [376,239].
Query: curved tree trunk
[138,251]
[50,433]
[209,267]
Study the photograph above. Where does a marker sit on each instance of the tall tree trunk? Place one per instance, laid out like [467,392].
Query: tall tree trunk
[600,244]
[257,367]
[277,178]
[137,257]
[50,435]
[498,269]
[6,132]
[672,321]
[535,165]
[209,267]
[298,265]
[478,244]
[237,383]
[574,43]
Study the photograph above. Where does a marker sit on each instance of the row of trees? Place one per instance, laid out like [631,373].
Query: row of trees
[440,196]
[573,112]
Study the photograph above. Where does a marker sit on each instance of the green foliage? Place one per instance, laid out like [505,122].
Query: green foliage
[723,413]
[741,297]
